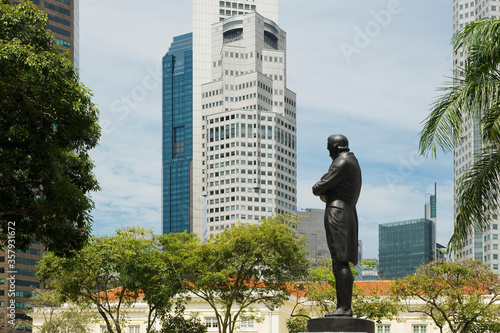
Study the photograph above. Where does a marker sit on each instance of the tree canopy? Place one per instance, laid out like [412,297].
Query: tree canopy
[48,124]
[459,296]
[471,100]
[242,266]
[105,274]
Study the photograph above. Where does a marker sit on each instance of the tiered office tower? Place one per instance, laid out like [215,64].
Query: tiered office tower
[246,28]
[482,245]
[248,124]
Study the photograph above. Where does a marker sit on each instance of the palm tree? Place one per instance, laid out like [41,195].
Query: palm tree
[473,97]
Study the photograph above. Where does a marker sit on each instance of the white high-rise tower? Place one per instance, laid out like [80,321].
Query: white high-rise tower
[482,245]
[205,14]
[248,125]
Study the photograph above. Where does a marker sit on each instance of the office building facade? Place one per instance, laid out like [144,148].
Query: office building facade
[406,245]
[312,227]
[482,245]
[17,282]
[204,42]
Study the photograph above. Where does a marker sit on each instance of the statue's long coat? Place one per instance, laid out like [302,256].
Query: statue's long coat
[340,188]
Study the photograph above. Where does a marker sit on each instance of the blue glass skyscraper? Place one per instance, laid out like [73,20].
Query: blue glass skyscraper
[177,144]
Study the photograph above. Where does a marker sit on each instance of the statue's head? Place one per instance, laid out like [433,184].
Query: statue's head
[337,144]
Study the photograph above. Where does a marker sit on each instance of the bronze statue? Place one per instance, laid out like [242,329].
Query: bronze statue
[339,188]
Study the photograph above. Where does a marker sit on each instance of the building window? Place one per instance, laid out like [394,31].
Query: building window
[134,329]
[419,329]
[211,322]
[58,9]
[179,138]
[58,30]
[59,20]
[247,322]
[383,328]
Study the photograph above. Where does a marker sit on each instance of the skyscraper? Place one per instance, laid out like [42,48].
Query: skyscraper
[177,135]
[481,245]
[255,64]
[405,245]
[248,124]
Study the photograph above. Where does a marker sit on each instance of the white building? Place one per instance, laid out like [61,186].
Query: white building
[248,125]
[206,13]
[261,320]
[481,246]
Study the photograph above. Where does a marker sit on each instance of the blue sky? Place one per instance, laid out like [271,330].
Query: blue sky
[367,69]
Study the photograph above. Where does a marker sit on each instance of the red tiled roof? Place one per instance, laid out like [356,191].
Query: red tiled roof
[374,288]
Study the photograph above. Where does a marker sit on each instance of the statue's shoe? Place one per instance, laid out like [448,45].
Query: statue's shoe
[340,312]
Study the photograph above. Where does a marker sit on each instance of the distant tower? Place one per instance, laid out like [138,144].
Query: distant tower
[405,245]
[430,207]
[481,245]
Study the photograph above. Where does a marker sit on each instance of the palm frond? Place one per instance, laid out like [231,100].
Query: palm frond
[473,98]
[480,39]
[491,123]
[477,195]
[445,125]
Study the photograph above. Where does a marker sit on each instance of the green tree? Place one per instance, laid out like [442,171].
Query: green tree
[176,323]
[150,273]
[47,303]
[320,293]
[242,266]
[98,274]
[472,100]
[458,296]
[47,126]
